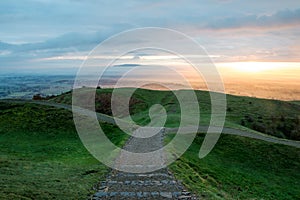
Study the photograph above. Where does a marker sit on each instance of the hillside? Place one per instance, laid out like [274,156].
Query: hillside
[240,168]
[43,158]
[272,117]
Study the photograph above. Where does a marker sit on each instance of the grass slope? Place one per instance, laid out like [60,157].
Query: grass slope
[42,157]
[240,168]
[273,117]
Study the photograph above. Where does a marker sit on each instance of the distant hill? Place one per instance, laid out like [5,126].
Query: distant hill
[272,117]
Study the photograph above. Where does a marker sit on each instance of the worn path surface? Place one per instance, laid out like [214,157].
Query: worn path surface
[143,183]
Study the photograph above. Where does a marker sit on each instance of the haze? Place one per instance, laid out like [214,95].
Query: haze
[255,45]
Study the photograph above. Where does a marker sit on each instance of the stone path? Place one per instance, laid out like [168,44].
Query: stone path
[139,182]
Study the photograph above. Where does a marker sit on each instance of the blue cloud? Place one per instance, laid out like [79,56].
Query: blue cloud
[281,18]
[67,43]
[46,28]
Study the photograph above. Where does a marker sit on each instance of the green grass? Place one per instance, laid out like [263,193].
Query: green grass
[273,117]
[240,168]
[42,157]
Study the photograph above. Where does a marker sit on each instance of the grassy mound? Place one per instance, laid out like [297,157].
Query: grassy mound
[42,157]
[240,168]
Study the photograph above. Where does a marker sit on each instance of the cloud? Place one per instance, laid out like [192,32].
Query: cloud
[64,44]
[39,31]
[68,40]
[283,18]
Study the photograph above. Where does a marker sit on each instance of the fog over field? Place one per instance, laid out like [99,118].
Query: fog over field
[255,45]
[276,84]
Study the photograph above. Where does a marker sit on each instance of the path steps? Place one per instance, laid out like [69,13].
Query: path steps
[141,176]
[155,185]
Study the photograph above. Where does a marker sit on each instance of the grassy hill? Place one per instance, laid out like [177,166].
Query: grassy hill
[240,168]
[42,157]
[272,117]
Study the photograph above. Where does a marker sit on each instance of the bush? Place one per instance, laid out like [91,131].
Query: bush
[283,127]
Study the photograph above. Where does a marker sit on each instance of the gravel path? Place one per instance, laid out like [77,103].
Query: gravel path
[158,184]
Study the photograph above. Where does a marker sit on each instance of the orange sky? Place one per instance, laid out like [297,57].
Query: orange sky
[273,80]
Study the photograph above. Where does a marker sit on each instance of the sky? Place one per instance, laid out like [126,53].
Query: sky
[242,37]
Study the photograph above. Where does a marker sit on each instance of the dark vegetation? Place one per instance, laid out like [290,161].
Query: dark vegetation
[283,127]
[272,117]
[103,103]
[40,97]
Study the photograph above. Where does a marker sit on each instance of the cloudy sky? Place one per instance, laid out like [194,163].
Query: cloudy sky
[55,35]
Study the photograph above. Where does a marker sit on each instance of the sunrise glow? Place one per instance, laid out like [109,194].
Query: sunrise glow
[258,67]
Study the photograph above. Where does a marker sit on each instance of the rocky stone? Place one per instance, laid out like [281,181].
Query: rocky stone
[186,193]
[154,194]
[101,194]
[184,197]
[102,188]
[166,195]
[113,194]
[127,182]
[159,184]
